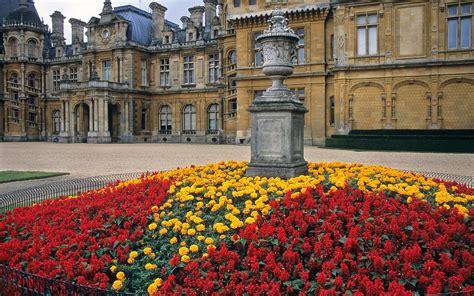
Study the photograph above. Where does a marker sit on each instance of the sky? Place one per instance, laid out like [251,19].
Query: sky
[85,9]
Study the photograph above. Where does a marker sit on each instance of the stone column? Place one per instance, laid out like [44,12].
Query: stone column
[96,115]
[277,146]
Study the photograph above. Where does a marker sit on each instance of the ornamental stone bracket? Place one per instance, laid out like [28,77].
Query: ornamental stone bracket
[277,146]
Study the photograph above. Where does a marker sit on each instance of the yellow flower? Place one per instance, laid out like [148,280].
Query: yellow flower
[249,220]
[113,268]
[185,258]
[133,254]
[209,241]
[191,231]
[120,275]
[183,251]
[152,226]
[130,260]
[152,289]
[200,227]
[194,248]
[117,285]
[152,255]
[173,240]
[409,200]
[150,266]
[154,209]
[201,238]
[158,282]
[147,251]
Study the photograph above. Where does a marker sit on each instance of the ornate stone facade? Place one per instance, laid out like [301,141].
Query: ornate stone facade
[142,78]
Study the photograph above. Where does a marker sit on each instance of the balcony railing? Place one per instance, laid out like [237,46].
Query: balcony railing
[189,132]
[33,90]
[14,85]
[164,132]
[213,132]
[67,85]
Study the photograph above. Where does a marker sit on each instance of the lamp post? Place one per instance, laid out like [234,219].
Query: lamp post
[277,146]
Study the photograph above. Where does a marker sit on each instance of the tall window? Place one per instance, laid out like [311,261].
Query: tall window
[252,2]
[236,3]
[31,49]
[144,73]
[232,58]
[144,118]
[258,51]
[56,121]
[56,79]
[106,70]
[213,117]
[189,118]
[233,106]
[300,46]
[165,119]
[73,74]
[164,72]
[332,47]
[331,111]
[14,47]
[213,68]
[459,26]
[367,34]
[189,70]
[32,80]
[14,78]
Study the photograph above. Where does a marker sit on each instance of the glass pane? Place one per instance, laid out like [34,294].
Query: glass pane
[452,10]
[301,56]
[361,20]
[452,34]
[373,40]
[372,18]
[466,8]
[361,39]
[466,32]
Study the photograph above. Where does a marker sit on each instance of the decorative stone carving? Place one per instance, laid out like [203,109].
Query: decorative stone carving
[277,145]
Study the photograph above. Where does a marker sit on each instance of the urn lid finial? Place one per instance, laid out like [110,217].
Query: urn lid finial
[278,23]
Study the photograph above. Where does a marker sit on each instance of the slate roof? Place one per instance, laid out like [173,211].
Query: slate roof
[27,14]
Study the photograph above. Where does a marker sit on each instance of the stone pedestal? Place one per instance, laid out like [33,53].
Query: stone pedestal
[277,145]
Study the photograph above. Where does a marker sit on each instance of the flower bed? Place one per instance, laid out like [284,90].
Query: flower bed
[151,234]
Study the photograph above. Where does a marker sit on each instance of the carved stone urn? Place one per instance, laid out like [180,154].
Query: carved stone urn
[277,145]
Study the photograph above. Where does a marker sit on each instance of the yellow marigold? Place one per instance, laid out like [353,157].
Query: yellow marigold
[204,255]
[158,282]
[201,238]
[249,220]
[147,250]
[211,246]
[152,255]
[209,240]
[200,227]
[154,209]
[173,240]
[152,226]
[152,289]
[130,260]
[133,254]
[409,199]
[117,285]
[183,251]
[183,243]
[194,248]
[191,231]
[185,258]
[113,268]
[120,275]
[150,266]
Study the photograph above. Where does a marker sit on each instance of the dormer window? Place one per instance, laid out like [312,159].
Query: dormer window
[58,53]
[190,36]
[216,33]
[167,39]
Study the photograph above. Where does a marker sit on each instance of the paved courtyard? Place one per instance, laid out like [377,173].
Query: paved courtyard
[85,160]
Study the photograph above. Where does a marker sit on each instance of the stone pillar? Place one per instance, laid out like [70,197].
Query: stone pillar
[197,13]
[96,115]
[158,15]
[57,32]
[77,31]
[277,146]
[210,11]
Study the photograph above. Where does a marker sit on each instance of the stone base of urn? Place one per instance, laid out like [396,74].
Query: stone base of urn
[277,145]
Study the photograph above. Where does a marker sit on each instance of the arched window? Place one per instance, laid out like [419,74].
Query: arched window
[31,80]
[14,78]
[56,121]
[232,58]
[213,118]
[165,119]
[31,49]
[14,47]
[189,118]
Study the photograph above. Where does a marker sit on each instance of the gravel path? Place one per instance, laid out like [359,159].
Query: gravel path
[86,160]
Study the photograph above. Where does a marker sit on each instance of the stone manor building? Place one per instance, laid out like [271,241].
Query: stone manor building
[360,65]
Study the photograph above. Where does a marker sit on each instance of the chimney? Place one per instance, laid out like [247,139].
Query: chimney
[185,20]
[77,30]
[57,36]
[158,14]
[210,11]
[197,13]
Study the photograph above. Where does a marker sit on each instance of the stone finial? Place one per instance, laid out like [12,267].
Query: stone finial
[107,7]
[197,13]
[278,23]
[154,6]
[158,16]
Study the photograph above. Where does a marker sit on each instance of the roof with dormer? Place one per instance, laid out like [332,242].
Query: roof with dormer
[25,14]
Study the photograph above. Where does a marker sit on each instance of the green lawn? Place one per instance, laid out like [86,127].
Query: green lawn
[12,176]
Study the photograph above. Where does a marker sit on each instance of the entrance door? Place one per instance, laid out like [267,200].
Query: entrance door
[82,122]
[114,122]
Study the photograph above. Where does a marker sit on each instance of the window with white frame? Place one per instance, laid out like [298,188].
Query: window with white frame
[166,119]
[189,70]
[56,121]
[258,54]
[165,72]
[213,117]
[144,73]
[367,34]
[73,74]
[56,79]
[189,118]
[460,26]
[213,68]
[106,65]
[300,46]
